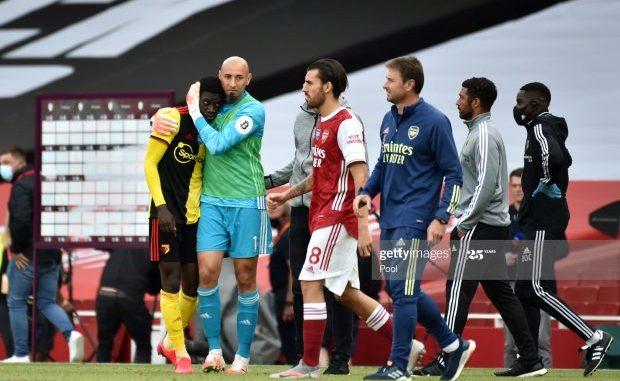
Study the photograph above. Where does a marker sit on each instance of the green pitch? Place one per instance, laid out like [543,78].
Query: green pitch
[125,372]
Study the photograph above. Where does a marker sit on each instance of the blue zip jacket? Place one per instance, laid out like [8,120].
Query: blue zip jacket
[418,154]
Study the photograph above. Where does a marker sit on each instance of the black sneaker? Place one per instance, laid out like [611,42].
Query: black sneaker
[520,370]
[338,368]
[455,361]
[596,353]
[433,368]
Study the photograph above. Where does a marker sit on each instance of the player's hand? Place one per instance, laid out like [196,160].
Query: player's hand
[511,259]
[163,123]
[166,220]
[193,95]
[288,313]
[21,261]
[361,201]
[364,242]
[67,306]
[435,232]
[274,200]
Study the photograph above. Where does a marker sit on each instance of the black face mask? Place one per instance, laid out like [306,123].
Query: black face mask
[275,223]
[519,116]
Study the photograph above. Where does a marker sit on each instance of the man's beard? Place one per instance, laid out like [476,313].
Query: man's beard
[231,98]
[465,115]
[316,102]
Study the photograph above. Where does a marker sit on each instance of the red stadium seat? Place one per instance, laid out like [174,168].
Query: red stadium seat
[588,283]
[481,306]
[609,309]
[608,294]
[480,295]
[580,308]
[569,282]
[579,293]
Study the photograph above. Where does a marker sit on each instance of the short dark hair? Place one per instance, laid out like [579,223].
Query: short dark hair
[332,71]
[483,89]
[539,88]
[409,67]
[15,151]
[212,84]
[518,172]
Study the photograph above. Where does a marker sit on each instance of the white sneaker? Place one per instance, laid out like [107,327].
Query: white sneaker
[417,352]
[301,370]
[76,347]
[17,359]
[239,365]
[214,362]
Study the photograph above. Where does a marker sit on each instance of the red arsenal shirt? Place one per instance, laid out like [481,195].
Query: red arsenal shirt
[338,141]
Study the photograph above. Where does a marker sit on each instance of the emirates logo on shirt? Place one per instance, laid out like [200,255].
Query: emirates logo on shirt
[318,154]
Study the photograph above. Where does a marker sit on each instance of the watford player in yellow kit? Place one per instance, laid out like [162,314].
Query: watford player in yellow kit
[173,169]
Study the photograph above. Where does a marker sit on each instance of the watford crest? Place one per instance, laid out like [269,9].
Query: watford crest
[165,249]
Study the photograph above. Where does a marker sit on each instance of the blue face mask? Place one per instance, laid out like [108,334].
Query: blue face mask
[6,172]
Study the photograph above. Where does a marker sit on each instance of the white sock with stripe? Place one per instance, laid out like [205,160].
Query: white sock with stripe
[377,318]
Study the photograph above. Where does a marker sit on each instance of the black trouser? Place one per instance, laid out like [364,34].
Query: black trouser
[114,309]
[342,321]
[474,263]
[545,242]
[286,329]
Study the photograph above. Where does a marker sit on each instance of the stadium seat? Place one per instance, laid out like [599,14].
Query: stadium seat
[581,308]
[480,295]
[481,306]
[568,282]
[588,283]
[608,294]
[603,308]
[579,293]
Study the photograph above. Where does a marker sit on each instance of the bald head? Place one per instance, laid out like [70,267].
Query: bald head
[235,77]
[236,61]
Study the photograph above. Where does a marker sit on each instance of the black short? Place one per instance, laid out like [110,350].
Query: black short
[167,248]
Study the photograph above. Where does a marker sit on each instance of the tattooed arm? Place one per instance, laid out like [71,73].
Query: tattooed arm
[276,199]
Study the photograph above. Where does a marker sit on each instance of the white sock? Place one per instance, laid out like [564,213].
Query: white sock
[453,346]
[377,318]
[596,337]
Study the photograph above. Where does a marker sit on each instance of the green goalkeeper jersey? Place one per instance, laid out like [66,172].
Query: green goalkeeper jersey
[232,172]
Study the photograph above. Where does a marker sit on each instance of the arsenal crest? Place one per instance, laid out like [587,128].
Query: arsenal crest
[165,249]
[413,132]
[325,136]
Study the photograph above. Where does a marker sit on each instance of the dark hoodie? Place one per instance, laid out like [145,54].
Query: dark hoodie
[21,205]
[546,157]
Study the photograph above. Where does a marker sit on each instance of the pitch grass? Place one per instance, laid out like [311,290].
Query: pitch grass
[128,372]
